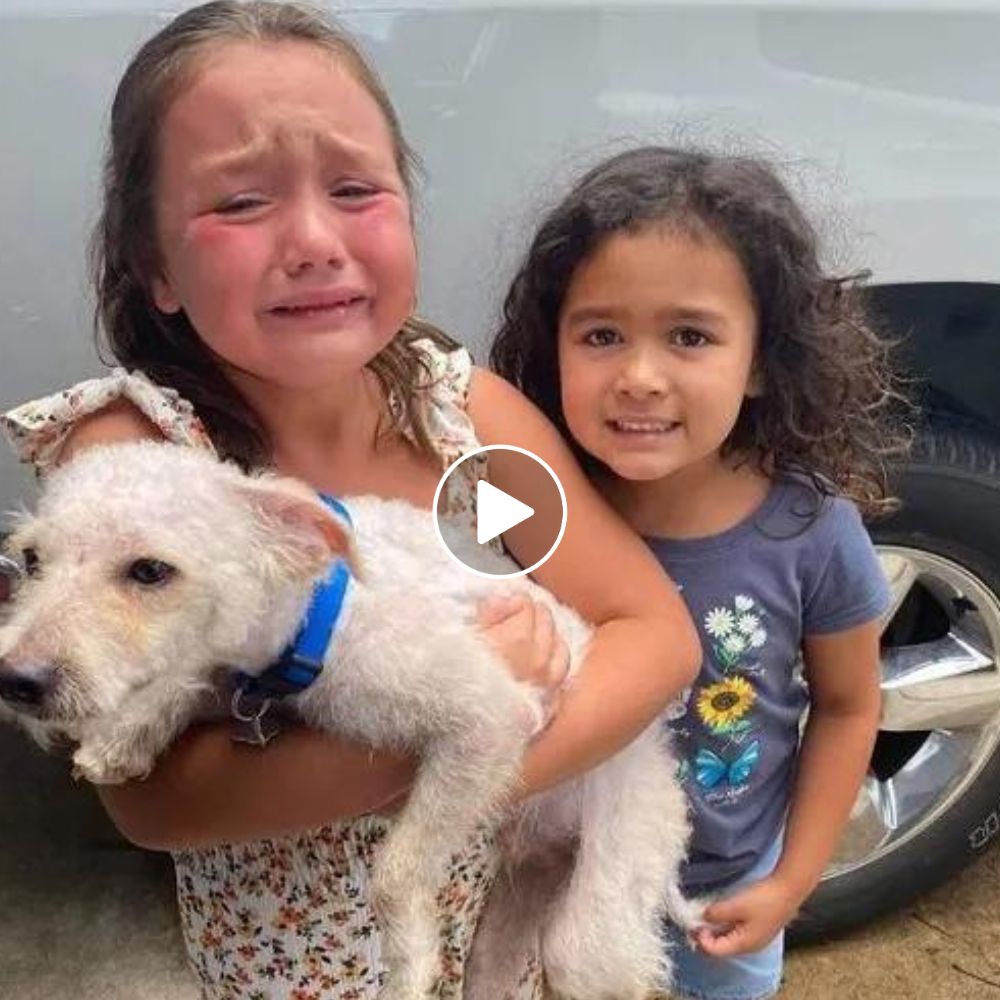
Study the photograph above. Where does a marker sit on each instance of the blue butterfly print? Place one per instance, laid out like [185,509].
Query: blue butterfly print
[710,769]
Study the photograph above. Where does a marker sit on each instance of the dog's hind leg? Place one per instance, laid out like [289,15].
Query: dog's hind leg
[604,940]
[464,780]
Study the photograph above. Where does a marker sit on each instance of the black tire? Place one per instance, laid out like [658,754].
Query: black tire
[951,508]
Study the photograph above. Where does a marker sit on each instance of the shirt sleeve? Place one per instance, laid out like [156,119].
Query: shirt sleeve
[850,587]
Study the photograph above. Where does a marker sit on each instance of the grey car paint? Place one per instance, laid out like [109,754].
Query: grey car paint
[887,117]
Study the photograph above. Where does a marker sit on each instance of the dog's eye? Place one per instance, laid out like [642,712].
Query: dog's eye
[150,572]
[32,564]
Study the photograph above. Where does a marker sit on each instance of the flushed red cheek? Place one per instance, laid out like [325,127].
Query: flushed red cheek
[211,253]
[384,230]
[215,235]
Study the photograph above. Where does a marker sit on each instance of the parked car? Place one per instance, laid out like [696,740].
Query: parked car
[890,112]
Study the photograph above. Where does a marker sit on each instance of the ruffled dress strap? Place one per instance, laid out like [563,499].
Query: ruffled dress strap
[37,430]
[444,399]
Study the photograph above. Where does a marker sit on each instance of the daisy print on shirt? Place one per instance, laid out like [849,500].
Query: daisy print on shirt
[737,634]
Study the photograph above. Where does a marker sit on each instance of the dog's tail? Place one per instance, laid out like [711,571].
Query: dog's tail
[687,914]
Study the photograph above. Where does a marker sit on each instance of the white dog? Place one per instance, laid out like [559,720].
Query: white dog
[150,568]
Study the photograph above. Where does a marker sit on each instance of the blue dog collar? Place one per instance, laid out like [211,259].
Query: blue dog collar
[301,663]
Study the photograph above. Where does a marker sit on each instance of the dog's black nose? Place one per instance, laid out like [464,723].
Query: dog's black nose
[26,684]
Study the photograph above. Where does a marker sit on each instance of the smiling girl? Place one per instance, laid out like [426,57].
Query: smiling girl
[729,398]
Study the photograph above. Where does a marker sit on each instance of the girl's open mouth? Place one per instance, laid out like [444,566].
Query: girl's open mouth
[332,308]
[623,426]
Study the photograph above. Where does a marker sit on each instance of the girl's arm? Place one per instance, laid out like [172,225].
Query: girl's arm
[209,790]
[843,673]
[844,704]
[645,648]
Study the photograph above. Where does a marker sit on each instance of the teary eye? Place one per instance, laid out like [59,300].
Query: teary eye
[150,572]
[352,190]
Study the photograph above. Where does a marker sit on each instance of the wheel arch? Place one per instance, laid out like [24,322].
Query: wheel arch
[949,336]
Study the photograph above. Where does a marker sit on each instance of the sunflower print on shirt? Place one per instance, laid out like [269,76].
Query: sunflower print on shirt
[725,760]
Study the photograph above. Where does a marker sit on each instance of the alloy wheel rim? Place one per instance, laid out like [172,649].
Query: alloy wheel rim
[940,720]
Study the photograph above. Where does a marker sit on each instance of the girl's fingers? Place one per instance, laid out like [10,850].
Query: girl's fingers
[726,911]
[551,650]
[716,913]
[500,607]
[740,937]
[722,941]
[720,947]
[511,628]
[544,638]
[523,632]
[559,663]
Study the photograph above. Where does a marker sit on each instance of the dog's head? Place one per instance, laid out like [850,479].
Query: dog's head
[151,563]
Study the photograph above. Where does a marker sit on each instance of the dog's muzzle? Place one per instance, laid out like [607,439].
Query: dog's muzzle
[25,687]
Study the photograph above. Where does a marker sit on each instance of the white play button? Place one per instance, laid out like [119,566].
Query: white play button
[497,511]
[472,516]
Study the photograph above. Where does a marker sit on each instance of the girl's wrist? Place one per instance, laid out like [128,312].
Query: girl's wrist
[795,884]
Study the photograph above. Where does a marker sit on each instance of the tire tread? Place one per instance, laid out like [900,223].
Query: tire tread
[965,449]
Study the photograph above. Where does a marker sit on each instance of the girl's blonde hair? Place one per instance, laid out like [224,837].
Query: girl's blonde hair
[124,252]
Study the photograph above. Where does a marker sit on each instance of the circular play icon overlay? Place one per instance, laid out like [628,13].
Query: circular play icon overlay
[529,515]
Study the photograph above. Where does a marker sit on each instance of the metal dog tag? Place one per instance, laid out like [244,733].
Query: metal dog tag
[257,732]
[256,727]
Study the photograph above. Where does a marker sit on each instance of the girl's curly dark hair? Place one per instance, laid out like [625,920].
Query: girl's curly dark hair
[831,406]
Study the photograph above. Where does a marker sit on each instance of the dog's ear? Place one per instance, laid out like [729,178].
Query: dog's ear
[298,533]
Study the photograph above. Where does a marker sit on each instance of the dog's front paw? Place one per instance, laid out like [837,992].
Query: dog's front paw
[107,764]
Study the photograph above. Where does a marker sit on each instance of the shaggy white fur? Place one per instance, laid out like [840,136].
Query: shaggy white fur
[150,566]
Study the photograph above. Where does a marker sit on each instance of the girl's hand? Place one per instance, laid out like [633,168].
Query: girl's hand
[748,920]
[523,633]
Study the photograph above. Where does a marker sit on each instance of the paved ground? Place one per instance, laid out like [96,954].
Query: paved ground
[84,917]
[944,947]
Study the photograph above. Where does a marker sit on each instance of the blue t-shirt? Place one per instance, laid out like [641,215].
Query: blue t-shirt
[801,565]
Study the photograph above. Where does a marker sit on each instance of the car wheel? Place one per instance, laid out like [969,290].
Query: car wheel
[931,800]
